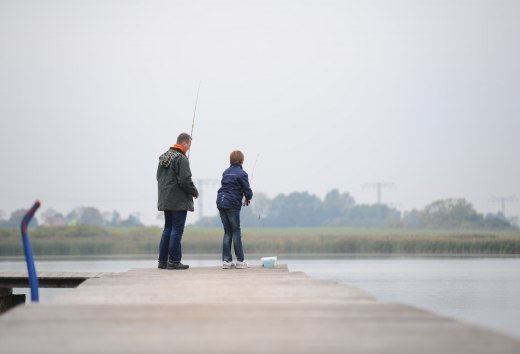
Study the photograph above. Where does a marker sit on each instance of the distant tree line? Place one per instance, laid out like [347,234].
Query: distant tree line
[298,209]
[301,209]
[79,216]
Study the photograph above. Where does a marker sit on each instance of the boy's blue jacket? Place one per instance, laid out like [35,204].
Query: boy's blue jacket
[234,186]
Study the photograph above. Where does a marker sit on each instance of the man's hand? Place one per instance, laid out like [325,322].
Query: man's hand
[246,202]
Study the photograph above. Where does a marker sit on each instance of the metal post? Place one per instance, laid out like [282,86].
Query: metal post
[33,277]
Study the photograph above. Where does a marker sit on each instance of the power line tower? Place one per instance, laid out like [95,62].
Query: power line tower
[503,200]
[379,186]
[201,184]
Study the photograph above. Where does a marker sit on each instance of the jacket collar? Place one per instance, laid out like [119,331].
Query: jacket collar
[180,148]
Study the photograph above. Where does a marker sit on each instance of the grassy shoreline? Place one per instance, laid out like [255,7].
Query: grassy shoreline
[95,241]
[283,257]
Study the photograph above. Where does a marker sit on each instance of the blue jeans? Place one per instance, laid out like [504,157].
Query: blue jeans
[231,222]
[170,249]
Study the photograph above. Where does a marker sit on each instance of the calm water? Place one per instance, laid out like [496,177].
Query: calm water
[482,291]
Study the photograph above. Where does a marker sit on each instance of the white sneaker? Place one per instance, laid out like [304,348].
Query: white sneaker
[242,265]
[227,265]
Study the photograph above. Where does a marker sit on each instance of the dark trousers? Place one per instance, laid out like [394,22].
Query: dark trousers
[170,249]
[232,234]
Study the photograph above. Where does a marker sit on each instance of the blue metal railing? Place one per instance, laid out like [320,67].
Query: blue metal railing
[33,277]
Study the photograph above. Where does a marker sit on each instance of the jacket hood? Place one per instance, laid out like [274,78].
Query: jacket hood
[166,159]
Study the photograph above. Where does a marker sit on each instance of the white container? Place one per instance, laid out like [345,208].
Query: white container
[268,262]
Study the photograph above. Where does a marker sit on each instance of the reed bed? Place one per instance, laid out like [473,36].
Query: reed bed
[88,241]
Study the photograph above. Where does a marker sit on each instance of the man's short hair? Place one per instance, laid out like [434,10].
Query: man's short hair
[236,158]
[183,138]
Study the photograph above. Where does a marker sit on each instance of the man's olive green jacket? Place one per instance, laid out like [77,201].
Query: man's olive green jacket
[175,187]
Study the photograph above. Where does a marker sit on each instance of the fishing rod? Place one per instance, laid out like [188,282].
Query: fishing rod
[244,203]
[252,176]
[253,171]
[193,120]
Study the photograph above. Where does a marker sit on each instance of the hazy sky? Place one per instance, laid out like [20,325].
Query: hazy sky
[424,94]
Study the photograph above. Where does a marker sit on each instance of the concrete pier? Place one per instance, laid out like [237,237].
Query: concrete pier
[210,310]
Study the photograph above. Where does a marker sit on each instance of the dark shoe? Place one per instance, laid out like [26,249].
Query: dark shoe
[162,265]
[177,266]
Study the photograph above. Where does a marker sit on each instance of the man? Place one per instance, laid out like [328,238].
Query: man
[176,193]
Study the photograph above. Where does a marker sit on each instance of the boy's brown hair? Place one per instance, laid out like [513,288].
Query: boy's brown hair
[236,158]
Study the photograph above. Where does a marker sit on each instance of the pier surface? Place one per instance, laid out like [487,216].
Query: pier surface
[210,310]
